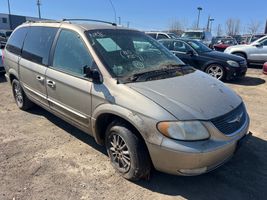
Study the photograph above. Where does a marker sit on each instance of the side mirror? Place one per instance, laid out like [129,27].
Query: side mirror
[190,52]
[93,73]
[257,44]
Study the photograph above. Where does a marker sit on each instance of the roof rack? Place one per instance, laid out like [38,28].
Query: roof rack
[43,21]
[91,20]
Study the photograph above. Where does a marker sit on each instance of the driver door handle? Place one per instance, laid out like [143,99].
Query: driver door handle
[50,83]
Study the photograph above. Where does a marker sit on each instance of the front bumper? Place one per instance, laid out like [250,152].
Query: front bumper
[194,158]
[235,72]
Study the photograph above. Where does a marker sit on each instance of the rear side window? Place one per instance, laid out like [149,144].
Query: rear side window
[15,42]
[71,54]
[38,43]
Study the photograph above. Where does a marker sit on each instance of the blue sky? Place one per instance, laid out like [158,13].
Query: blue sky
[147,15]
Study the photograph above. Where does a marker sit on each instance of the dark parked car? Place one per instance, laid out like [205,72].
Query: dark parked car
[4,35]
[223,43]
[2,69]
[217,64]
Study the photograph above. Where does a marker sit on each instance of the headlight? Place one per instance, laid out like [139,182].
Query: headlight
[184,130]
[233,63]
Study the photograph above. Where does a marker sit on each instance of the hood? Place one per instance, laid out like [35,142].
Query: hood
[223,56]
[192,96]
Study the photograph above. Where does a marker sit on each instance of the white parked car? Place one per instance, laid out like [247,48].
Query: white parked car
[255,53]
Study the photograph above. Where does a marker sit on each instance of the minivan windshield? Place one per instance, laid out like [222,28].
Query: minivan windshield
[193,35]
[127,52]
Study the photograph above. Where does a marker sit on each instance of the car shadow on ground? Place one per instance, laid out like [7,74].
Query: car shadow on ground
[80,135]
[243,177]
[2,78]
[248,81]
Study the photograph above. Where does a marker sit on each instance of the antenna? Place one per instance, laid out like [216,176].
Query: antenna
[115,17]
[114,11]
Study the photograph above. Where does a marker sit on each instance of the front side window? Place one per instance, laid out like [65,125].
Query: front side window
[38,43]
[71,54]
[180,46]
[125,52]
[199,46]
[15,42]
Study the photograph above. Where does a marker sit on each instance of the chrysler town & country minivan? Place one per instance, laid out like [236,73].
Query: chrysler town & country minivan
[130,93]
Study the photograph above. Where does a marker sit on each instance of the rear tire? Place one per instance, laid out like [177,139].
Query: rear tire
[217,71]
[20,97]
[127,152]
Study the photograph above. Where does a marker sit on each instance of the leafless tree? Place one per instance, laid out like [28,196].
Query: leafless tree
[253,27]
[219,30]
[232,26]
[177,26]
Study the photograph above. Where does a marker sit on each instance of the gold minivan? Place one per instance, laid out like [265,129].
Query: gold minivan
[129,92]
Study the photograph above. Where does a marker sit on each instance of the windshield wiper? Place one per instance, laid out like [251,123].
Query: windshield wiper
[164,70]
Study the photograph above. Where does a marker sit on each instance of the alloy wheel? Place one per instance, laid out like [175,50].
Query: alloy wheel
[119,152]
[18,94]
[216,71]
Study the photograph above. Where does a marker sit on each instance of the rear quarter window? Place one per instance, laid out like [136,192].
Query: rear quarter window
[38,43]
[16,40]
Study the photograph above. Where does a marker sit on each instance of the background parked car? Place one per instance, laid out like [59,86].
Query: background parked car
[4,35]
[254,53]
[201,35]
[196,54]
[161,35]
[2,69]
[264,68]
[223,43]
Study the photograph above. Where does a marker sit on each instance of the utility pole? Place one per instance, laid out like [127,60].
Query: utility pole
[9,15]
[39,10]
[128,24]
[119,20]
[199,9]
[266,27]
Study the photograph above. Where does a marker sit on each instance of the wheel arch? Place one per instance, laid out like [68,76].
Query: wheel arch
[105,114]
[241,52]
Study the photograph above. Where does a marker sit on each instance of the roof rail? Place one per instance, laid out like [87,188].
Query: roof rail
[91,20]
[43,21]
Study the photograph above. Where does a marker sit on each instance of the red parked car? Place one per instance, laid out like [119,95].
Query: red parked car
[264,69]
[224,43]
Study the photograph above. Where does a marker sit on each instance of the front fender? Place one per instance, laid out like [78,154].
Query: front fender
[146,126]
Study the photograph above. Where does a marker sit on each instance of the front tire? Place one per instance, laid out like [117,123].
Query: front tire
[20,97]
[127,152]
[216,71]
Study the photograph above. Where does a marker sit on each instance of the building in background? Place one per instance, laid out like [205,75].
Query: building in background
[10,22]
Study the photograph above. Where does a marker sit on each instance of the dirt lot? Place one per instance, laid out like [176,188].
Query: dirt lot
[43,157]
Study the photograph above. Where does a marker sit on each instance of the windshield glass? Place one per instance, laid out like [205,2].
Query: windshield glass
[125,52]
[194,35]
[199,46]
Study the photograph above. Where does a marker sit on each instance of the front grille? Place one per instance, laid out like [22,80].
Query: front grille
[232,121]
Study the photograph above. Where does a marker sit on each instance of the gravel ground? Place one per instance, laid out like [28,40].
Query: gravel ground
[43,157]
